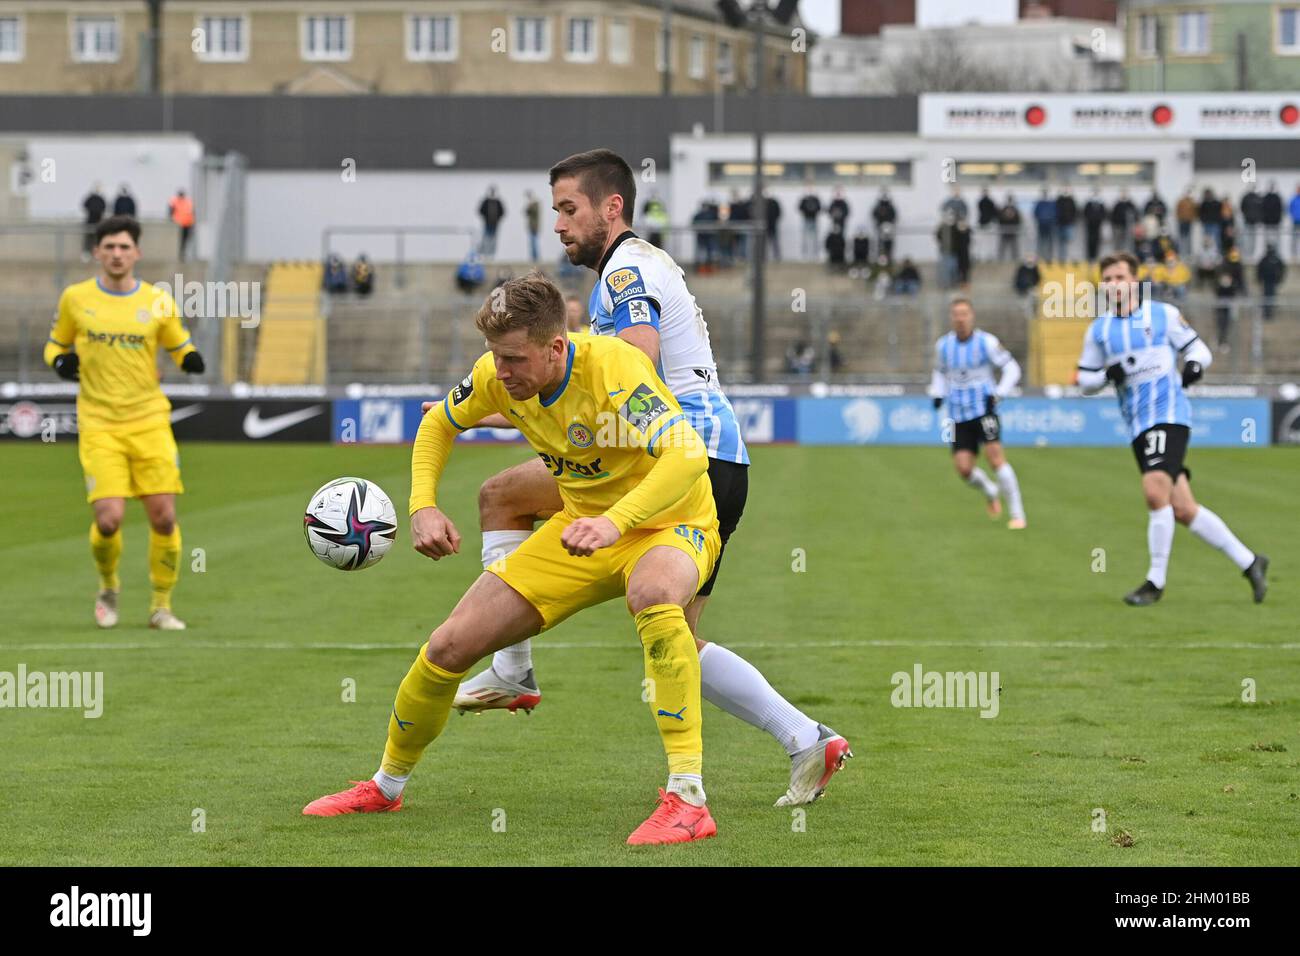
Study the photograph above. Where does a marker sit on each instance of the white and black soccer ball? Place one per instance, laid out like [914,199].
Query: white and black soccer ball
[350,523]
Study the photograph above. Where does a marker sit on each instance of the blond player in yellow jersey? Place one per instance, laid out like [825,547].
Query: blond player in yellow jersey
[106,336]
[638,521]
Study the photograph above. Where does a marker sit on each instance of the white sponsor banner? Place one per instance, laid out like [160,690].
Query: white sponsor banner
[1172,115]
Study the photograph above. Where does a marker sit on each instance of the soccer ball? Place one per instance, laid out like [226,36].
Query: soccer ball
[350,523]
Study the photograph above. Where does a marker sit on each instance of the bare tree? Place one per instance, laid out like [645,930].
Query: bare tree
[940,64]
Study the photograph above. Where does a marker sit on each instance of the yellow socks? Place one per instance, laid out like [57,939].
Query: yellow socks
[419,714]
[164,565]
[672,666]
[107,552]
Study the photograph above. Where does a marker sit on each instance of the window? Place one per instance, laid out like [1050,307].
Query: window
[11,39]
[620,46]
[740,174]
[430,38]
[326,38]
[695,58]
[1288,30]
[532,39]
[1193,34]
[94,39]
[224,38]
[726,64]
[580,40]
[1148,27]
[659,51]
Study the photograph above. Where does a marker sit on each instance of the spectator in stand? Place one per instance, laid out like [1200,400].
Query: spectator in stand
[835,250]
[1229,286]
[363,276]
[1294,210]
[655,216]
[1252,218]
[987,210]
[908,279]
[1208,261]
[491,210]
[838,210]
[740,213]
[881,278]
[1143,246]
[182,211]
[946,237]
[1185,212]
[124,204]
[1227,226]
[1009,230]
[1271,214]
[1170,278]
[810,207]
[95,207]
[772,221]
[336,275]
[885,216]
[1210,214]
[800,358]
[1156,209]
[1123,217]
[575,315]
[1067,214]
[861,252]
[1094,214]
[1271,273]
[955,204]
[1045,223]
[1163,245]
[961,250]
[1027,276]
[706,239]
[533,221]
[833,354]
[470,274]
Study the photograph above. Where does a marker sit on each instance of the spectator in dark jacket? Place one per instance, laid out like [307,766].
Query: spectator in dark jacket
[1156,207]
[363,276]
[1210,214]
[838,210]
[885,216]
[491,210]
[1123,217]
[987,210]
[961,249]
[861,249]
[1045,222]
[1230,285]
[336,275]
[1027,276]
[908,279]
[835,250]
[1270,214]
[95,207]
[1094,215]
[1271,273]
[124,204]
[810,207]
[1009,230]
[772,221]
[1067,214]
[1252,218]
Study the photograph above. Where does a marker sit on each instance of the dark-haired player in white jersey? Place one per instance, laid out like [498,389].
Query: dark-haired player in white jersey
[1135,345]
[641,296]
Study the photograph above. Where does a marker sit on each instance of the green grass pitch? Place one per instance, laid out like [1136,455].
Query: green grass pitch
[1137,712]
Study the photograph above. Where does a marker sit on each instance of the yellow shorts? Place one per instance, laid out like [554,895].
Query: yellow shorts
[559,584]
[129,465]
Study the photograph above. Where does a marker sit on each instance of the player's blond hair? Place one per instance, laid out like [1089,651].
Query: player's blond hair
[531,302]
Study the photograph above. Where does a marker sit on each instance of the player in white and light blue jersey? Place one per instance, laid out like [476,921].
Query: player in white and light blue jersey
[641,296]
[1135,345]
[965,361]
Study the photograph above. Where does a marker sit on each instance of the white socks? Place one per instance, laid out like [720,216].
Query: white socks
[1160,540]
[391,786]
[1210,528]
[1011,490]
[978,479]
[731,683]
[512,662]
[688,786]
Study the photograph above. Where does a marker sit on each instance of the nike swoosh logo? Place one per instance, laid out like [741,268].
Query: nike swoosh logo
[189,411]
[255,426]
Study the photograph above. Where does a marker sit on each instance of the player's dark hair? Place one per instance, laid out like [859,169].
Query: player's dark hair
[1125,257]
[601,173]
[115,224]
[531,302]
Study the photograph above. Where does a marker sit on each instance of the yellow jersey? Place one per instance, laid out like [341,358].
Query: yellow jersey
[612,434]
[116,337]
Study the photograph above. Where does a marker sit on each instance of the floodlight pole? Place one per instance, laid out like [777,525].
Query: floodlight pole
[758,213]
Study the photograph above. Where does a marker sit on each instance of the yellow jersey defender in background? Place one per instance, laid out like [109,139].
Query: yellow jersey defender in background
[638,520]
[106,336]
